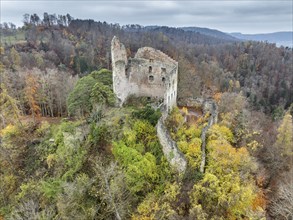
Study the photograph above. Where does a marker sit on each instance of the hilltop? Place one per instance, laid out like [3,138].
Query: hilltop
[279,38]
[69,150]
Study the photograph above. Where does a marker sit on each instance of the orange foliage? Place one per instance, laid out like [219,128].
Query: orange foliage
[31,91]
[259,201]
[217,97]
[260,180]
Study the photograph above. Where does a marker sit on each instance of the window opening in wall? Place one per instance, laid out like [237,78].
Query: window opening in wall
[150,69]
[149,98]
[126,71]
[151,78]
[163,70]
[163,79]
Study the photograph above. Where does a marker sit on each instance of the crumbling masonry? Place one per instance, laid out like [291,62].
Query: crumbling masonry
[151,73]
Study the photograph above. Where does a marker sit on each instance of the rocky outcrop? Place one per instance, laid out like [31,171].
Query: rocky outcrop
[170,149]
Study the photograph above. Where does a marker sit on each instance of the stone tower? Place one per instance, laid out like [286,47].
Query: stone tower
[119,63]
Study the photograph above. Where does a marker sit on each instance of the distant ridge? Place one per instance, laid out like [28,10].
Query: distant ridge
[284,38]
[205,31]
[211,32]
[208,36]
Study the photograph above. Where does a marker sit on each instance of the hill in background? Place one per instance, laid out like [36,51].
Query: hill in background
[279,38]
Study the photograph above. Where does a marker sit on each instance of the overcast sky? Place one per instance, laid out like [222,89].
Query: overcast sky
[257,16]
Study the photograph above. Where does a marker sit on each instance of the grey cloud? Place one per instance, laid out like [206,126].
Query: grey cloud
[228,16]
[266,8]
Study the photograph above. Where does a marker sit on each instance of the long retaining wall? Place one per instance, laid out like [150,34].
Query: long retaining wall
[208,106]
[170,149]
[175,157]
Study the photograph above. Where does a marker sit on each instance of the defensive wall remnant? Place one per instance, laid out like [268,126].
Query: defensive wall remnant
[151,73]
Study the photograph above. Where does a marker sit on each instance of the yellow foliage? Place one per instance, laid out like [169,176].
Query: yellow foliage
[183,146]
[259,201]
[9,130]
[185,110]
[253,145]
[138,217]
[237,84]
[224,158]
[194,147]
[2,50]
[147,209]
[171,191]
[227,119]
[8,184]
[193,131]
[43,128]
[285,136]
[51,159]
[130,136]
[227,192]
[154,207]
[193,153]
[217,132]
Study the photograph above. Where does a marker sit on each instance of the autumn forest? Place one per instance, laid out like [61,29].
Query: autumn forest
[67,151]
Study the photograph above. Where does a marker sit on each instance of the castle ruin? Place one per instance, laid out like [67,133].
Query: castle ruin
[151,73]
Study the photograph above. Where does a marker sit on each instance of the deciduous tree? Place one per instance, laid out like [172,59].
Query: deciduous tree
[31,93]
[285,136]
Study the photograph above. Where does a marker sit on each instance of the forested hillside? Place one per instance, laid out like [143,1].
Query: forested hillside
[68,152]
[280,38]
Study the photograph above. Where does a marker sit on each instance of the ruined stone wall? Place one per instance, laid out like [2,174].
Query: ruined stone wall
[119,63]
[150,73]
[145,78]
[174,156]
[170,99]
